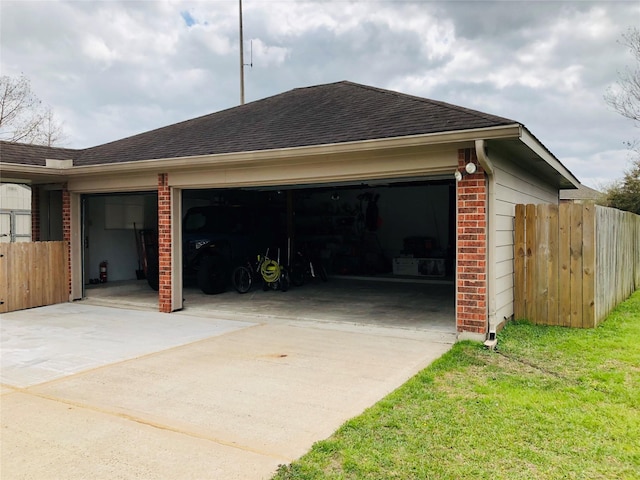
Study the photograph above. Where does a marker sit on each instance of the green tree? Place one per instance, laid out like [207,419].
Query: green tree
[625,194]
[624,98]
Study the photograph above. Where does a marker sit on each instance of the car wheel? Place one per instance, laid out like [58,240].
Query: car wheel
[213,275]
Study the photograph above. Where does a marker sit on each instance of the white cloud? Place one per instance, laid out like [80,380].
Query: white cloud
[596,168]
[115,68]
[96,49]
[267,54]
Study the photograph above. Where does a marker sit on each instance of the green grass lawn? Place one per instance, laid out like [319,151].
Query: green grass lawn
[551,402]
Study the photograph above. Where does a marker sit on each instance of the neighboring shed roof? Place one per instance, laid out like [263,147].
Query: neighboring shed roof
[324,114]
[581,193]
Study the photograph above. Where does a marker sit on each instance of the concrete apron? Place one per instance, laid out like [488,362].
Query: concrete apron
[102,393]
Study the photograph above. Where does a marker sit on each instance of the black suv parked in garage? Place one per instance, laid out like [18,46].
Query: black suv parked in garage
[217,238]
[214,240]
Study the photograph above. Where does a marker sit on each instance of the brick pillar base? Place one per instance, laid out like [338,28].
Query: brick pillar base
[164,243]
[471,275]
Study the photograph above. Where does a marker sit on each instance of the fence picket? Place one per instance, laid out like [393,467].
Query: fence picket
[529,262]
[541,284]
[519,260]
[564,261]
[588,266]
[576,265]
[553,273]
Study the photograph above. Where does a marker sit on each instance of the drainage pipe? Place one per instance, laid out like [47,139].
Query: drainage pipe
[487,166]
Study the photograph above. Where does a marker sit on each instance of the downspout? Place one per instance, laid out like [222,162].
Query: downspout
[487,166]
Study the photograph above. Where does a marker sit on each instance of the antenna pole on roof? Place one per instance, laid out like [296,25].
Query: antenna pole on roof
[241,57]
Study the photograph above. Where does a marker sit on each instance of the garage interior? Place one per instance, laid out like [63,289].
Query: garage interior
[388,248]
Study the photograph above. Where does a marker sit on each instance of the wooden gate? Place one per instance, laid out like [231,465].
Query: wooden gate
[33,274]
[574,262]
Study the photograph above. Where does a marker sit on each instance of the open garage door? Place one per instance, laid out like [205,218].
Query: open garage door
[387,249]
[114,254]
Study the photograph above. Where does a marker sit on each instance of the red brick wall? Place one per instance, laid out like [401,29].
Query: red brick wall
[35,213]
[164,242]
[66,229]
[471,292]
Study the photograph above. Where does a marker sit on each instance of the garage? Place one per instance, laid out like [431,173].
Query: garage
[378,252]
[403,202]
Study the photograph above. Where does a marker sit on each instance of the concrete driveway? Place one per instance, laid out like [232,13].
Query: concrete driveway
[103,393]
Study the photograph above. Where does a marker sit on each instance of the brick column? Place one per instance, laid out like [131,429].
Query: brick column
[471,275]
[66,229]
[164,243]
[35,213]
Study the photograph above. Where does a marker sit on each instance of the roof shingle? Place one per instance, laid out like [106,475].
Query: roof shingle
[27,154]
[324,114]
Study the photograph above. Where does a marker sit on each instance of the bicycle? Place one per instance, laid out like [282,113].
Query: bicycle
[304,266]
[273,275]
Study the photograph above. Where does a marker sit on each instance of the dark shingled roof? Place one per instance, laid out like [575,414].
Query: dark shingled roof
[324,114]
[27,154]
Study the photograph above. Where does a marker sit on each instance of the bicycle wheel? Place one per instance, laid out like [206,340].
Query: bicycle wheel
[323,273]
[319,270]
[242,279]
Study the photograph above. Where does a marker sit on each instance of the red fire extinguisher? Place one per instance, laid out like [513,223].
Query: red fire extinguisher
[103,271]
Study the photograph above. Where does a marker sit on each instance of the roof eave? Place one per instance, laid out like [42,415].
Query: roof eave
[26,174]
[257,156]
[55,174]
[528,139]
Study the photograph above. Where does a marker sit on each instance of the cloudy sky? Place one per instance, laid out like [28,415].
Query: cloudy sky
[110,69]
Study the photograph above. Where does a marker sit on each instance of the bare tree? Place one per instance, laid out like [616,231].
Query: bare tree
[23,117]
[51,132]
[624,97]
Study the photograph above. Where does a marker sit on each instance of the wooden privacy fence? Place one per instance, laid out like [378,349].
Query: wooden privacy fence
[574,262]
[32,275]
[618,262]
